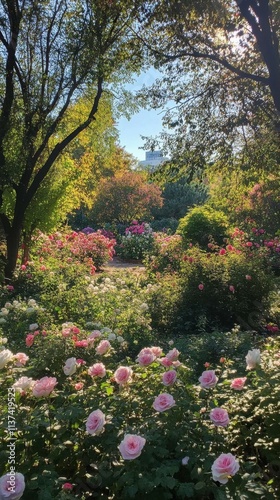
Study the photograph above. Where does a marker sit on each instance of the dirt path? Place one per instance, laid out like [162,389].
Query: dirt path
[117,263]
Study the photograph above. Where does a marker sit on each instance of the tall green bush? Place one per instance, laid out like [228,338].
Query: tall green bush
[203,224]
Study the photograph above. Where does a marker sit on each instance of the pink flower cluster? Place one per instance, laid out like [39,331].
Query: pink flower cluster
[136,228]
[92,248]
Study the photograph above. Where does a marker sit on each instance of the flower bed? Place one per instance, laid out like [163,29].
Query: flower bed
[100,423]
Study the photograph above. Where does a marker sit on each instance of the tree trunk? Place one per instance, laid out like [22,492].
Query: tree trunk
[26,247]
[13,241]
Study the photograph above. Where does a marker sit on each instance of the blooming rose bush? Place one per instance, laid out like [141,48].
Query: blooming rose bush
[219,287]
[137,242]
[92,248]
[197,438]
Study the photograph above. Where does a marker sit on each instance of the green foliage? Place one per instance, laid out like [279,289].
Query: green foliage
[226,98]
[135,247]
[178,197]
[168,226]
[52,100]
[203,224]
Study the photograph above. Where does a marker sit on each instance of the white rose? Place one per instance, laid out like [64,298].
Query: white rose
[70,366]
[253,359]
[33,326]
[5,357]
[23,383]
[31,302]
[112,336]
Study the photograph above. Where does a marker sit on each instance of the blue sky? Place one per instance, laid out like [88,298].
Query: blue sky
[146,122]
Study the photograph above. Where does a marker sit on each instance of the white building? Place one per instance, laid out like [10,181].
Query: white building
[153,160]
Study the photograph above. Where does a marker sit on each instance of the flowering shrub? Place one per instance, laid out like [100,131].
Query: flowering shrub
[127,435]
[223,285]
[91,247]
[167,254]
[137,241]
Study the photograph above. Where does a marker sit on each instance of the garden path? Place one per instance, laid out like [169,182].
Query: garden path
[117,263]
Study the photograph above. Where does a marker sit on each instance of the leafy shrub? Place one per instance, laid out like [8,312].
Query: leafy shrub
[201,225]
[217,289]
[168,226]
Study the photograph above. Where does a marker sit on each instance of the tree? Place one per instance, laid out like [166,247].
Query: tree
[221,65]
[125,197]
[52,53]
[178,198]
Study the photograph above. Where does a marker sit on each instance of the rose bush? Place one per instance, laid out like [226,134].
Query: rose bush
[200,439]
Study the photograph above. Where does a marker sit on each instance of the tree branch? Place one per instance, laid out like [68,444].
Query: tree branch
[41,174]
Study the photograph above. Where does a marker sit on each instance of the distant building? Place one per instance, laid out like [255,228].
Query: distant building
[153,160]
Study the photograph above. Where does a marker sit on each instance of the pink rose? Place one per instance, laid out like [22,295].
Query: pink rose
[145,357]
[208,379]
[165,362]
[21,359]
[29,340]
[67,486]
[95,422]
[44,386]
[168,378]
[78,386]
[81,361]
[81,343]
[224,467]
[103,347]
[201,286]
[66,332]
[231,288]
[219,417]
[131,446]
[176,364]
[123,375]
[157,351]
[94,335]
[163,402]
[97,370]
[238,383]
[12,486]
[173,354]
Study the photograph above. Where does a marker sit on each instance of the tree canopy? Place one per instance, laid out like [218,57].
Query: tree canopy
[221,74]
[51,54]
